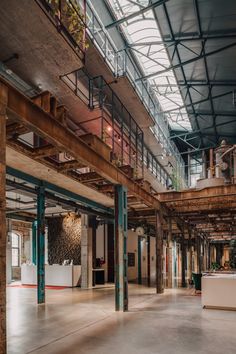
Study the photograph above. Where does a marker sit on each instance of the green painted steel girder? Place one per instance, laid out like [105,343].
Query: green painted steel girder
[183,63]
[64,192]
[121,259]
[41,244]
[135,14]
[34,242]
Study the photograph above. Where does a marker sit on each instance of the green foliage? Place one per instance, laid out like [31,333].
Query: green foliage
[72,18]
[215,266]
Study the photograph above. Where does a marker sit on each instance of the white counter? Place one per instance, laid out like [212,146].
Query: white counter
[55,275]
[219,291]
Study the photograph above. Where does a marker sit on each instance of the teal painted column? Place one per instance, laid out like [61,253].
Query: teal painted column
[121,259]
[41,244]
[139,260]
[34,242]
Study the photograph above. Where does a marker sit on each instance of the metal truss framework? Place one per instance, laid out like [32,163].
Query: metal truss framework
[173,43]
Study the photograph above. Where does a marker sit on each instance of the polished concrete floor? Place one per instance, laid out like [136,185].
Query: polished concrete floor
[75,321]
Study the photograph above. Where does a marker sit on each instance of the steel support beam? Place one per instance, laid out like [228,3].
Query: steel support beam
[135,14]
[58,190]
[178,39]
[181,64]
[201,101]
[121,260]
[159,254]
[41,244]
[35,119]
[34,242]
[3,230]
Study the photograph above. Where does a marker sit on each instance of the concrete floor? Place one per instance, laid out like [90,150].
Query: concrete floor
[78,322]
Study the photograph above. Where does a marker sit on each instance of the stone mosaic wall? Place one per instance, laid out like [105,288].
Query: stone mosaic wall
[64,239]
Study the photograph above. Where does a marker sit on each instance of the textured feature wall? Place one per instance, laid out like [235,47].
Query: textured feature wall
[64,239]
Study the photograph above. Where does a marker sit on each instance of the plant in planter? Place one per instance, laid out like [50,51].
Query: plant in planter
[69,13]
[215,266]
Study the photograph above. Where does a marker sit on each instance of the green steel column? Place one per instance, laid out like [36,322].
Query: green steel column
[41,244]
[121,260]
[34,242]
[159,254]
[139,260]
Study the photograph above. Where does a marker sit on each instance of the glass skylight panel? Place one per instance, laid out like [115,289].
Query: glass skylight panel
[143,35]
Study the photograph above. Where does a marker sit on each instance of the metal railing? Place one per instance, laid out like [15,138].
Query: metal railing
[122,64]
[114,125]
[63,13]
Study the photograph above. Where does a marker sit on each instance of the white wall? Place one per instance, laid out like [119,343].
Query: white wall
[101,245]
[132,247]
[153,259]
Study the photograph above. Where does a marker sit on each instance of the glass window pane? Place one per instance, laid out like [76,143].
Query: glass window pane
[15,257]
[15,240]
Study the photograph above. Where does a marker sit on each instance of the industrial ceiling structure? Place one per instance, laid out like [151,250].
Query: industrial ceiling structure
[186,49]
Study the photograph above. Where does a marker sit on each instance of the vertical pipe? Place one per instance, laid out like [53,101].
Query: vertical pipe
[3,231]
[211,162]
[204,168]
[34,242]
[121,261]
[159,254]
[41,244]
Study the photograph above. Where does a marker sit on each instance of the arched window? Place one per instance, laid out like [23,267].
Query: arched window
[15,249]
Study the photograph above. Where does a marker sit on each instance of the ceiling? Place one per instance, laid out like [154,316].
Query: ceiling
[201,40]
[199,37]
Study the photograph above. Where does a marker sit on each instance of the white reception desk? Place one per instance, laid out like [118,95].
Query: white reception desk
[55,275]
[219,291]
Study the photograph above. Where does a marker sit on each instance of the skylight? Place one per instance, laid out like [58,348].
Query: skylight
[143,36]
